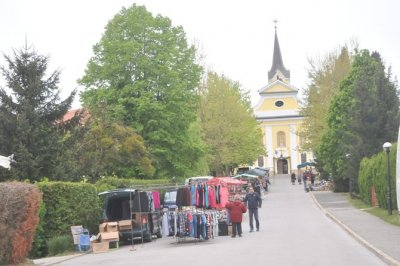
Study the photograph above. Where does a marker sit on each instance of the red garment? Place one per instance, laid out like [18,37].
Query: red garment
[236,209]
[156,199]
[211,197]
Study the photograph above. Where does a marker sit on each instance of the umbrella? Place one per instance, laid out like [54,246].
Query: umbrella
[258,171]
[245,176]
[305,165]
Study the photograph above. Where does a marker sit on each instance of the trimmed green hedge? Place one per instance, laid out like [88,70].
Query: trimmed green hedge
[109,183]
[66,204]
[372,172]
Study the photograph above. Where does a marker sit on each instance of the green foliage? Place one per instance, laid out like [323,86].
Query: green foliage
[110,148]
[362,116]
[39,246]
[373,172]
[325,76]
[27,117]
[69,204]
[229,127]
[60,245]
[145,73]
[109,183]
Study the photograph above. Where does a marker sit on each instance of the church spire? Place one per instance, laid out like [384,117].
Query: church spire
[278,70]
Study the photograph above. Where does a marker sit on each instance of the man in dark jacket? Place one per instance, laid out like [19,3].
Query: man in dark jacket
[253,202]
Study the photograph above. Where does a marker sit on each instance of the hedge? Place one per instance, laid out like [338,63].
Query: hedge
[109,183]
[66,204]
[19,217]
[373,173]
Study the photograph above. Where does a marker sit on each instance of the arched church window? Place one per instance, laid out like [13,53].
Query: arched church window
[281,139]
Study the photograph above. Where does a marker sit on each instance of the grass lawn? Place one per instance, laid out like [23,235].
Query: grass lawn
[378,212]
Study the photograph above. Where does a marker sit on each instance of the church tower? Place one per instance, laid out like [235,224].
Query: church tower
[278,70]
[278,114]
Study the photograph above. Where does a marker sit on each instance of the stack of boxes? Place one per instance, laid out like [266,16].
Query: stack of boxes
[80,236]
[108,232]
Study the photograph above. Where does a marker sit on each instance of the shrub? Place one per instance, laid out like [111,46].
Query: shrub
[39,245]
[109,183]
[19,218]
[372,172]
[66,204]
[60,244]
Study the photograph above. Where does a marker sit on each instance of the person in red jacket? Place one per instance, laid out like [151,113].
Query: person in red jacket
[236,210]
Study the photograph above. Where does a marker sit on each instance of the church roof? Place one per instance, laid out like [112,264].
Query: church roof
[277,62]
[284,88]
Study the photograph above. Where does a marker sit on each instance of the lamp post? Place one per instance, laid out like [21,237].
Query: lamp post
[386,147]
[348,155]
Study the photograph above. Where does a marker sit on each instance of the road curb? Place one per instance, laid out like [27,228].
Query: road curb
[382,255]
[55,262]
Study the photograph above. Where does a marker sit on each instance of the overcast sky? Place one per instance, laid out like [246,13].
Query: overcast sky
[235,36]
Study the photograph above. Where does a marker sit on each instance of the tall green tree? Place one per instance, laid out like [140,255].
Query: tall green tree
[28,115]
[230,129]
[325,76]
[145,71]
[362,116]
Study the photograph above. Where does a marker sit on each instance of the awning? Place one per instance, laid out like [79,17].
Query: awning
[258,171]
[245,176]
[305,165]
[225,180]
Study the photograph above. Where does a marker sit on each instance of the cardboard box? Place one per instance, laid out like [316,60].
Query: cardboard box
[76,239]
[102,227]
[98,247]
[77,229]
[112,227]
[124,225]
[108,236]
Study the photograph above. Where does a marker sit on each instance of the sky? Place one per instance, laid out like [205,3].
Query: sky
[235,37]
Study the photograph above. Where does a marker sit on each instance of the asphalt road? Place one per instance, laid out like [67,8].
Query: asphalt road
[294,231]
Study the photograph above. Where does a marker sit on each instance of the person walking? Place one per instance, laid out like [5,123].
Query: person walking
[293,178]
[253,201]
[236,209]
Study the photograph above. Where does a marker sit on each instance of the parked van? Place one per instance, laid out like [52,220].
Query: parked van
[192,179]
[131,204]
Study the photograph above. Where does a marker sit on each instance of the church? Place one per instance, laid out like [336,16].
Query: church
[278,115]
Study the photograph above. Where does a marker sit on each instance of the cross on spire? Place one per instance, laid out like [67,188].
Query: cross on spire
[275,21]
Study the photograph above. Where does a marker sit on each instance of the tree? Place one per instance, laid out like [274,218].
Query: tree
[362,116]
[230,129]
[144,70]
[325,77]
[28,115]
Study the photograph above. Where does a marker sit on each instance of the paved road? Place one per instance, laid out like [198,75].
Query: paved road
[294,231]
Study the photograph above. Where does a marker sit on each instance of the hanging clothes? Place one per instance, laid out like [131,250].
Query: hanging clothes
[156,199]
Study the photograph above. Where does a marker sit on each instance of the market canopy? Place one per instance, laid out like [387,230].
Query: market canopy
[225,180]
[245,176]
[305,165]
[258,171]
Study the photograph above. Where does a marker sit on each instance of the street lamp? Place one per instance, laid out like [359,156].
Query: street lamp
[348,155]
[386,147]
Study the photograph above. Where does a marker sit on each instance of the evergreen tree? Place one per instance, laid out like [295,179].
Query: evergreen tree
[230,129]
[28,117]
[144,70]
[363,116]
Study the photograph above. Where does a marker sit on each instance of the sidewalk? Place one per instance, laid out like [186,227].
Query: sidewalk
[381,238]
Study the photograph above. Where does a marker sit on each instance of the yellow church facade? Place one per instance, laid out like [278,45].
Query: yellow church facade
[278,115]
